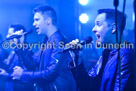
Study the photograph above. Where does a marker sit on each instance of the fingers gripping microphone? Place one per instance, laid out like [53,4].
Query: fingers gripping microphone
[18,36]
[81,42]
[86,40]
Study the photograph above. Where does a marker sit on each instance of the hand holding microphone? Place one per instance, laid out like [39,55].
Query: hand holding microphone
[77,44]
[18,34]
[15,35]
[73,45]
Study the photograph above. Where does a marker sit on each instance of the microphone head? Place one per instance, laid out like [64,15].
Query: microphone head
[28,31]
[86,40]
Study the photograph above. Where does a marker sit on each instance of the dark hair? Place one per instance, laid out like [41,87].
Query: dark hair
[110,17]
[48,11]
[17,27]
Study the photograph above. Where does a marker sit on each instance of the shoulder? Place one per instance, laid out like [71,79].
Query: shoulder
[127,53]
[128,48]
[59,37]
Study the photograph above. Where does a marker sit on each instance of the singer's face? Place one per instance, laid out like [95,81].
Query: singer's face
[40,23]
[10,33]
[101,29]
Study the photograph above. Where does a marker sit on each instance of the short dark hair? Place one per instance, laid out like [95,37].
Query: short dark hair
[49,11]
[110,17]
[17,27]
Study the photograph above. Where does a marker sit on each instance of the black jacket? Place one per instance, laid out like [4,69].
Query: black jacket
[109,80]
[53,73]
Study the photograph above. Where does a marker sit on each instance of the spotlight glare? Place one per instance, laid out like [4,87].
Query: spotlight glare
[133,17]
[83,18]
[83,2]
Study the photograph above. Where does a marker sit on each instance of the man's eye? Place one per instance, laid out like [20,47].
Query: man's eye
[36,19]
[99,24]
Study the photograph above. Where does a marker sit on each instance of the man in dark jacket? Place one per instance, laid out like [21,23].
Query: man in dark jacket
[53,73]
[110,73]
[14,60]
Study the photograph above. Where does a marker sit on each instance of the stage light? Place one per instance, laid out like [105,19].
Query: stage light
[133,17]
[83,2]
[83,18]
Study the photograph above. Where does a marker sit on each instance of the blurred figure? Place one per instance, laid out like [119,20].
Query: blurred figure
[14,60]
[3,55]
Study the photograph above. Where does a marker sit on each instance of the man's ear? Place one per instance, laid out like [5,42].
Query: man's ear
[49,21]
[113,26]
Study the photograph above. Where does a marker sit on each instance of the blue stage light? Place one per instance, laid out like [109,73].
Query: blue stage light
[83,18]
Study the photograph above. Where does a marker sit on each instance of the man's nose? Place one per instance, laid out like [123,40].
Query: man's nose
[94,29]
[34,24]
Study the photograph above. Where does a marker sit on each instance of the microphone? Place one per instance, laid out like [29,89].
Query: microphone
[81,42]
[116,3]
[18,36]
[86,40]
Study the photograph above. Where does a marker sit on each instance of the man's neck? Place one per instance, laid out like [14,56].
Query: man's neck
[51,30]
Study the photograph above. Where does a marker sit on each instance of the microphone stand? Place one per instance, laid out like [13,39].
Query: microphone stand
[116,3]
[76,68]
[121,32]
